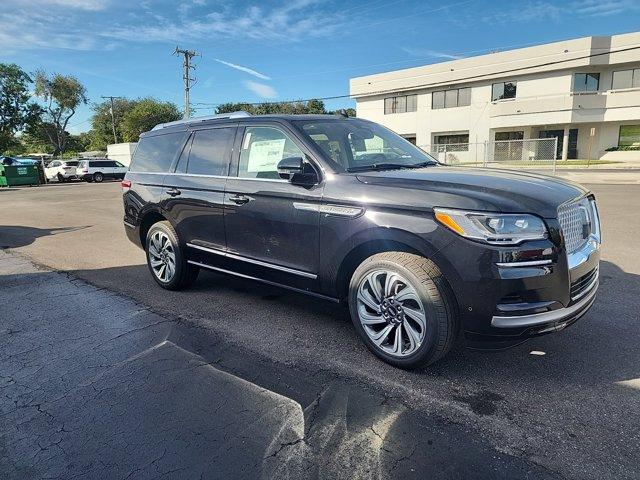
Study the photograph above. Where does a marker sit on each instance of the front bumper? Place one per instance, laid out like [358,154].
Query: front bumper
[509,294]
[552,320]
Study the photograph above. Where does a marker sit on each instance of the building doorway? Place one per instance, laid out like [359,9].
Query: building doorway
[572,152]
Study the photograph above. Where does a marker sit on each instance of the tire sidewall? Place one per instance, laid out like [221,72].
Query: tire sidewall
[430,341]
[180,260]
[98,177]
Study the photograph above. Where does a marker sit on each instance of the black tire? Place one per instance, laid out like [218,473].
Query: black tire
[185,273]
[98,177]
[437,299]
[60,178]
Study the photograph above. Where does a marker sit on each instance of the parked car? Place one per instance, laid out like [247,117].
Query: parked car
[61,170]
[346,210]
[97,170]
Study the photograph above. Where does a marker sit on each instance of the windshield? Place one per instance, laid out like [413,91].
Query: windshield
[360,145]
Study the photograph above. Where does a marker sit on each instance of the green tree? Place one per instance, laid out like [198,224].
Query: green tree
[101,128]
[16,111]
[266,108]
[62,95]
[145,115]
[351,112]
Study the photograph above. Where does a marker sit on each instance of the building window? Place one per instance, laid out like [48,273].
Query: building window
[503,90]
[401,104]
[458,142]
[626,79]
[515,135]
[629,136]
[586,82]
[455,97]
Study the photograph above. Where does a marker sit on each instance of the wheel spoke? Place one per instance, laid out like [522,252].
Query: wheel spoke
[375,285]
[153,251]
[155,263]
[365,297]
[369,319]
[407,293]
[390,281]
[170,270]
[380,337]
[397,345]
[416,315]
[412,335]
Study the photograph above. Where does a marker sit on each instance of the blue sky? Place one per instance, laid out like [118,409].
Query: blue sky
[254,50]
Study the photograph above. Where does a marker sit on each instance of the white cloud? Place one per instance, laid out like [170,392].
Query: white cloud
[290,22]
[35,31]
[418,52]
[90,5]
[248,70]
[601,8]
[260,89]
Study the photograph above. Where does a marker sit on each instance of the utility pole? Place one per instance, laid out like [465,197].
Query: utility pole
[188,81]
[113,118]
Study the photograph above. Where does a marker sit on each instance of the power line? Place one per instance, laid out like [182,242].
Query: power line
[113,119]
[188,81]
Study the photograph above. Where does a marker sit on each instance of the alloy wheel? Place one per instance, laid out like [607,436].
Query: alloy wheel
[391,313]
[162,257]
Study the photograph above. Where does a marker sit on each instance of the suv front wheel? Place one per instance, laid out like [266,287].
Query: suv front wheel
[403,309]
[166,259]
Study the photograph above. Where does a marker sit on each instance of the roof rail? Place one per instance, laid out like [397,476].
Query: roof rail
[184,121]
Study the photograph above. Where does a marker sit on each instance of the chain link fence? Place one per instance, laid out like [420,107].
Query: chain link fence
[532,154]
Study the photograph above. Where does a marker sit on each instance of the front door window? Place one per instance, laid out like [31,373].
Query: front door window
[262,150]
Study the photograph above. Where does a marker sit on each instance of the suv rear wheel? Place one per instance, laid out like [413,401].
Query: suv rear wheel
[98,177]
[166,259]
[403,309]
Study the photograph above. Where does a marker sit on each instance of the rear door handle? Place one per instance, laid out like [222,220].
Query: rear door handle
[174,192]
[240,199]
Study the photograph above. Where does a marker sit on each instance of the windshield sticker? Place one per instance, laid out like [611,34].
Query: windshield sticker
[265,155]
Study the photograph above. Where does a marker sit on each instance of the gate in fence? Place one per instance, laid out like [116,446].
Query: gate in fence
[532,154]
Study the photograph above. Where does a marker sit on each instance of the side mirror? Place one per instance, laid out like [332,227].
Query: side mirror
[289,167]
[297,171]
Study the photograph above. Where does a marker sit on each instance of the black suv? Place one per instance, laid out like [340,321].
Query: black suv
[346,210]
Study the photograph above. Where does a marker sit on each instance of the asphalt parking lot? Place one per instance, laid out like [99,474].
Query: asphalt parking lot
[105,375]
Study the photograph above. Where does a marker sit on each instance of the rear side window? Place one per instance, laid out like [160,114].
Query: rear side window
[156,153]
[210,152]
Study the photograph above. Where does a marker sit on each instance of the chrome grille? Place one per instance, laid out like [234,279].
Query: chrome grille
[575,221]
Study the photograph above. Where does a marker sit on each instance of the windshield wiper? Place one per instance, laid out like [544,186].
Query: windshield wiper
[388,166]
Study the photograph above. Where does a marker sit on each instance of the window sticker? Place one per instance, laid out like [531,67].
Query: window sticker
[264,155]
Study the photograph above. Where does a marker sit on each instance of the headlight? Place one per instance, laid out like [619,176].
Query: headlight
[494,228]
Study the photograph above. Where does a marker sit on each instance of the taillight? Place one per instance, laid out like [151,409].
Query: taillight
[126,185]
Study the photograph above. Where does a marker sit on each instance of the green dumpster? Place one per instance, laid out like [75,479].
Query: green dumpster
[21,175]
[3,179]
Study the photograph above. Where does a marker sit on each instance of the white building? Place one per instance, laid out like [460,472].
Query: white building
[585,92]
[121,152]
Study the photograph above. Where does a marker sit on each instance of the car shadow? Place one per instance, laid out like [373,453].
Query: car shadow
[15,236]
[601,348]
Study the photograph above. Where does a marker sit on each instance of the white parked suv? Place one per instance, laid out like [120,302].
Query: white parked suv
[96,170]
[61,170]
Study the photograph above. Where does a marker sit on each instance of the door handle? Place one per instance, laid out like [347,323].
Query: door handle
[174,192]
[240,199]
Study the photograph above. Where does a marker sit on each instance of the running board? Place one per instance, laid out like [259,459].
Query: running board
[261,280]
